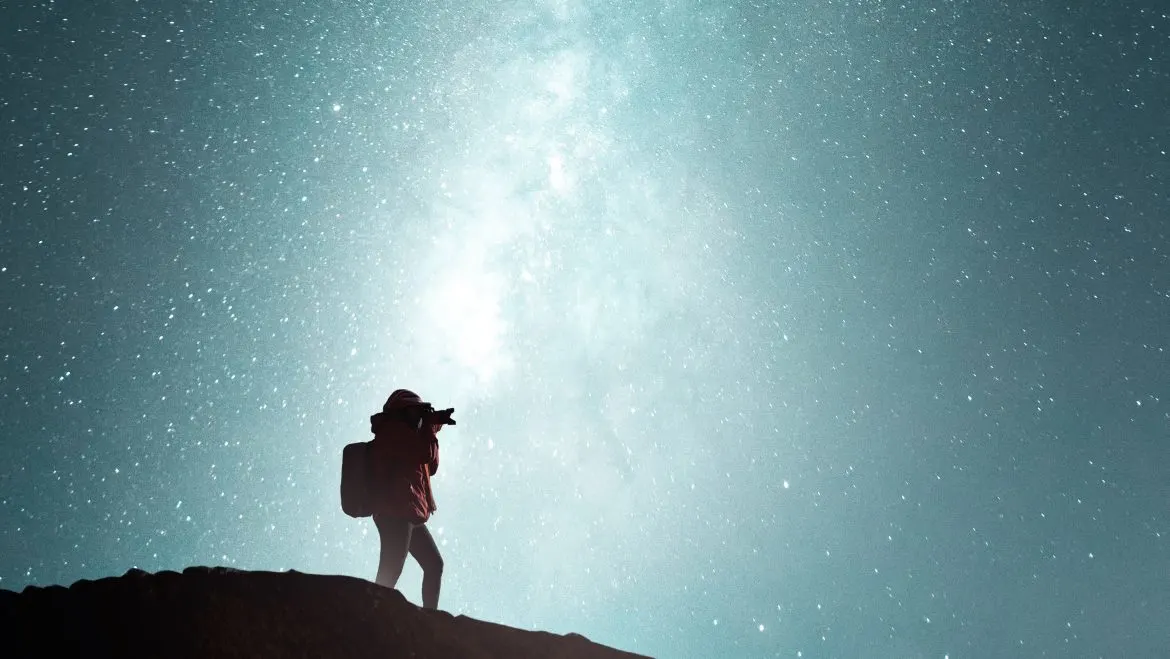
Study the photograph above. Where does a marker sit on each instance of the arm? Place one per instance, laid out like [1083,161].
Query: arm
[436,421]
[433,464]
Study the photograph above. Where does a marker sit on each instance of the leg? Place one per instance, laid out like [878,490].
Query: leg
[394,536]
[426,552]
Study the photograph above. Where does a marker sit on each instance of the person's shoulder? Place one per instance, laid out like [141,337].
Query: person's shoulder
[397,429]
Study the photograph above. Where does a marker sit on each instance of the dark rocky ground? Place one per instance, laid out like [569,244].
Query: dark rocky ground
[220,612]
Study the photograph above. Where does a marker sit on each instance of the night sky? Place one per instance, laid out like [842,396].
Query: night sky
[776,329]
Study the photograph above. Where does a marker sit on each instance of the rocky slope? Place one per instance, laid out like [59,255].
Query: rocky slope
[219,612]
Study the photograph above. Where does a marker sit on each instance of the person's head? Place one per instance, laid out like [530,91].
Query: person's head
[402,398]
[406,405]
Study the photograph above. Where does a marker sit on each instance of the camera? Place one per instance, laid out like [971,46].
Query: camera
[440,416]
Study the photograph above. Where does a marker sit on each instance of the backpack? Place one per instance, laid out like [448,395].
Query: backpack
[356,488]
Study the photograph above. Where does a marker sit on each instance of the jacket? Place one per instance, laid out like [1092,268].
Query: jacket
[403,459]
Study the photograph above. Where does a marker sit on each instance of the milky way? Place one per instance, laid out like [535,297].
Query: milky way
[773,329]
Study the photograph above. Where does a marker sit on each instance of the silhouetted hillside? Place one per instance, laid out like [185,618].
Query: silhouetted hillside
[220,612]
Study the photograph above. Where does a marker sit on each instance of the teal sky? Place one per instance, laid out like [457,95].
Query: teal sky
[809,329]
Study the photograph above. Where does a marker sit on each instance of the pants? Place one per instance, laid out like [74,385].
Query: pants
[400,537]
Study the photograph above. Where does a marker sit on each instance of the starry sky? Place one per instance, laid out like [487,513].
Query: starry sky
[777,329]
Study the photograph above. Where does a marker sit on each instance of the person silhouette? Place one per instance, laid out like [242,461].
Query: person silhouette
[404,457]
